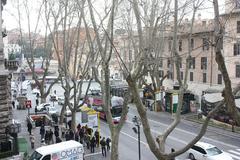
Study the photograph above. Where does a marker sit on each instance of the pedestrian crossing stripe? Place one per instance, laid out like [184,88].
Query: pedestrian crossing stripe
[234,154]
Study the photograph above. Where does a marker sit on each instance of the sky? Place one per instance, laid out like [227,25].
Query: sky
[11,21]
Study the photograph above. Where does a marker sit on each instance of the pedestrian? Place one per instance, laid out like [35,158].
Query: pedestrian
[63,129]
[78,126]
[42,131]
[37,102]
[58,140]
[32,140]
[103,145]
[77,136]
[29,126]
[46,137]
[108,141]
[172,150]
[87,140]
[92,144]
[97,136]
[13,104]
[71,134]
[69,124]
[56,132]
[51,136]
[81,134]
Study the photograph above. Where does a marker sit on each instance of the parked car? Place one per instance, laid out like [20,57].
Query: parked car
[61,100]
[53,97]
[52,110]
[43,107]
[205,151]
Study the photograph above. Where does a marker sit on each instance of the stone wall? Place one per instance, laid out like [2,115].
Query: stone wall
[5,105]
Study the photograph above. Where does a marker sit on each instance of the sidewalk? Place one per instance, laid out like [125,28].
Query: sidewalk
[20,115]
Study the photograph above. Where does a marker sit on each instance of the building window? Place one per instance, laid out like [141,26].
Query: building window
[203,63]
[236,49]
[161,73]
[238,71]
[205,44]
[204,77]
[192,63]
[192,44]
[181,74]
[180,45]
[219,79]
[238,26]
[191,76]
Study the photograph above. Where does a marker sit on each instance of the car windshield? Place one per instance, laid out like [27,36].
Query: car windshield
[213,151]
[35,156]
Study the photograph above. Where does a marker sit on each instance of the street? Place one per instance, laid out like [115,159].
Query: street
[128,147]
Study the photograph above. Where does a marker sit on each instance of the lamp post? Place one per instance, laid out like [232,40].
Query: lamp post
[137,122]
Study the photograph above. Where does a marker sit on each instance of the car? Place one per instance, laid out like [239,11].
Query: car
[53,97]
[36,92]
[52,110]
[206,151]
[61,100]
[43,107]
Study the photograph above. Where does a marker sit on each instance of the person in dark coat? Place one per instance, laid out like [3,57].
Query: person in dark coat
[81,134]
[13,104]
[46,137]
[92,144]
[71,134]
[42,131]
[69,124]
[97,136]
[51,136]
[58,140]
[108,141]
[103,145]
[29,126]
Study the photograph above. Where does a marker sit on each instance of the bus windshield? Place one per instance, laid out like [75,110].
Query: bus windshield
[35,156]
[116,112]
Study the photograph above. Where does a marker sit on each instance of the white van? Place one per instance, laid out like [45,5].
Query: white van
[68,150]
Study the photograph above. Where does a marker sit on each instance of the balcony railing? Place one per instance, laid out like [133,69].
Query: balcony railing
[11,64]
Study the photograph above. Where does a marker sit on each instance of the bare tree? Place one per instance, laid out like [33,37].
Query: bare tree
[28,42]
[228,92]
[105,48]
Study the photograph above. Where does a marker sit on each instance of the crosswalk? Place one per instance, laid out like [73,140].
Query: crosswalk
[235,154]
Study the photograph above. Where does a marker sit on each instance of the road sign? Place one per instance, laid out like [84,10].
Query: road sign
[28,104]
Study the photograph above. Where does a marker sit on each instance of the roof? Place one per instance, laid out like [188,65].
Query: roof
[54,148]
[213,97]
[204,145]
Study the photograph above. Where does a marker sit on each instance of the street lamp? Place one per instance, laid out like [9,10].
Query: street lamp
[137,122]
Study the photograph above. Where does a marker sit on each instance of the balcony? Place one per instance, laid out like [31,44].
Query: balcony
[11,65]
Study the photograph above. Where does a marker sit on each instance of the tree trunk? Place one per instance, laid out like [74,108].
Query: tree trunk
[73,124]
[115,142]
[62,114]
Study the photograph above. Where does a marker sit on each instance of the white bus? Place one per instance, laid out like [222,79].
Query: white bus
[67,150]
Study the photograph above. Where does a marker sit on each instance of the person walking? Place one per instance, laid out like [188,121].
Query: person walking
[97,136]
[51,136]
[47,141]
[92,144]
[29,126]
[103,145]
[13,104]
[32,140]
[37,102]
[58,140]
[108,141]
[42,132]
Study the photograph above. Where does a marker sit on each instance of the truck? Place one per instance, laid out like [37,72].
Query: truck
[68,150]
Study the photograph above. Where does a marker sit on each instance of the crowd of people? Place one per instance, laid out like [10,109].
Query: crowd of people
[83,134]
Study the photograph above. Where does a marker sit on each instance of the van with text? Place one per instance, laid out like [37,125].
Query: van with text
[67,150]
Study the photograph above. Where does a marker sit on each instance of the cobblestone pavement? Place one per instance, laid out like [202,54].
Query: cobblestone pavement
[20,115]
